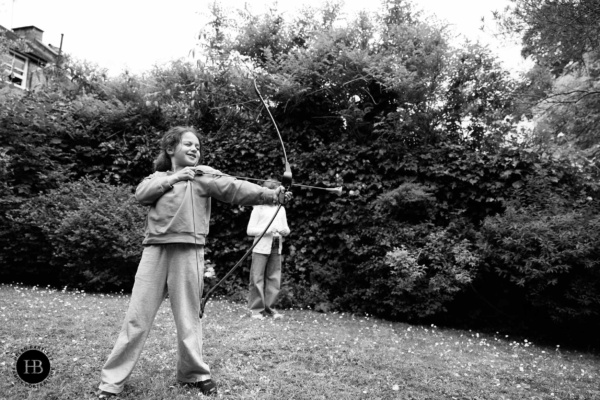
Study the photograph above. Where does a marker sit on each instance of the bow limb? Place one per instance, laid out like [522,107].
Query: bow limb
[286,180]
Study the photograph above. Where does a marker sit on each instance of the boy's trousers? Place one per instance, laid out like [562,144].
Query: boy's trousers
[171,268]
[265,281]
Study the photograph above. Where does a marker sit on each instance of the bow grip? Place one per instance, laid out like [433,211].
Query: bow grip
[286,180]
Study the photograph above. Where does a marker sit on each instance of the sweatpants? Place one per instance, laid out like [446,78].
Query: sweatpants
[265,281]
[168,268]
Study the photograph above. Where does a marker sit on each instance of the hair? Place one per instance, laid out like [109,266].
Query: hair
[170,140]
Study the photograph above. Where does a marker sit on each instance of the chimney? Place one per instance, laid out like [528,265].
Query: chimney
[29,33]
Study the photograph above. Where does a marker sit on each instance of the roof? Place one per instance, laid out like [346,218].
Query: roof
[29,27]
[36,48]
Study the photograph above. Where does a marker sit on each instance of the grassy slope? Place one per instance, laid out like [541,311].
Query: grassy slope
[306,355]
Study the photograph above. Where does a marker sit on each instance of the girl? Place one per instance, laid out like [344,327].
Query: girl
[265,272]
[179,196]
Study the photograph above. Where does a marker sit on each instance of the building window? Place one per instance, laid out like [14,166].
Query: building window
[15,70]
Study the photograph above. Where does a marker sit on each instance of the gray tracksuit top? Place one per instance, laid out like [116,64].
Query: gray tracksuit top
[170,218]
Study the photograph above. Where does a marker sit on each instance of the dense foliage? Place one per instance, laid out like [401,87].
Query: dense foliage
[553,257]
[83,234]
[447,214]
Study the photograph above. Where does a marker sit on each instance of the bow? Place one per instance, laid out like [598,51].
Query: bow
[286,182]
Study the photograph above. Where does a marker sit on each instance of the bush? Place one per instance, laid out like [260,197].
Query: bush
[410,202]
[416,279]
[86,233]
[552,259]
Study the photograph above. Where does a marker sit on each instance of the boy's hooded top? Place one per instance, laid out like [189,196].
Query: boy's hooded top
[260,217]
[170,217]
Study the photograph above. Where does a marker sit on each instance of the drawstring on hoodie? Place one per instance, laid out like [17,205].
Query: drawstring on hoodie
[191,189]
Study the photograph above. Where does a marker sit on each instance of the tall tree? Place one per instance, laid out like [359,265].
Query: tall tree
[563,90]
[554,32]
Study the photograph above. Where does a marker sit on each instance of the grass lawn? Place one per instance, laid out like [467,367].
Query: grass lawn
[306,355]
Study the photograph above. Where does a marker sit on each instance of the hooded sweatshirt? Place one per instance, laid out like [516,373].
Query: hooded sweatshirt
[181,213]
[260,217]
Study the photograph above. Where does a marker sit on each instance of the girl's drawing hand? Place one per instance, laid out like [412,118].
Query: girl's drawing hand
[185,174]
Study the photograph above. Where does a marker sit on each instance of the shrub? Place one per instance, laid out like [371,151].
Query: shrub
[410,202]
[90,234]
[552,258]
[416,279]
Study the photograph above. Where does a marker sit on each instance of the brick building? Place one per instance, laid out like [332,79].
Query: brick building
[22,66]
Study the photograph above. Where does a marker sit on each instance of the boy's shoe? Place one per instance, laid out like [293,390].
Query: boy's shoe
[106,395]
[257,316]
[207,387]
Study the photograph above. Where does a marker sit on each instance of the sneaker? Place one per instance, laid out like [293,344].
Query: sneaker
[257,316]
[207,387]
[276,315]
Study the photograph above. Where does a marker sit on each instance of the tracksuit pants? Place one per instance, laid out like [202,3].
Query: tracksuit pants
[171,268]
[265,281]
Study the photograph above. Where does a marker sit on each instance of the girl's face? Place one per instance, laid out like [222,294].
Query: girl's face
[186,153]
